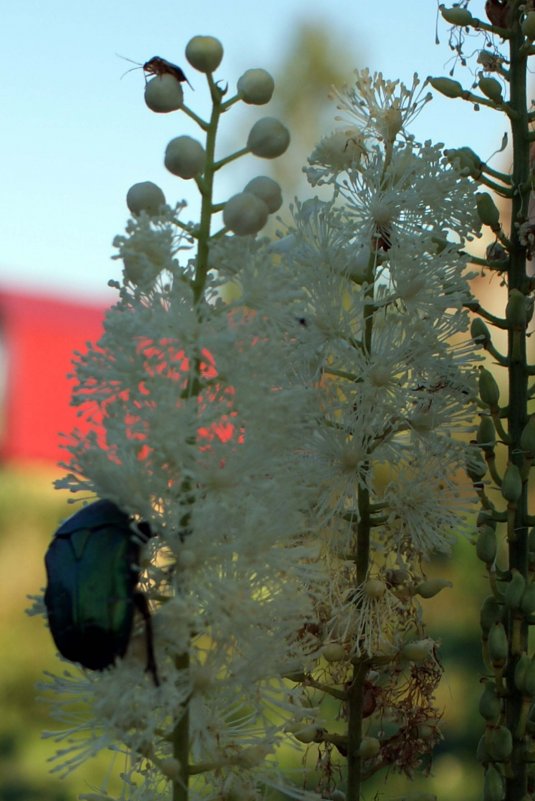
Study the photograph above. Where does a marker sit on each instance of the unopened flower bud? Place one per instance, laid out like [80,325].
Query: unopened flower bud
[499,743]
[529,680]
[519,309]
[481,751]
[256,87]
[145,196]
[170,768]
[204,53]
[267,190]
[487,210]
[479,332]
[489,391]
[521,668]
[486,434]
[528,26]
[514,590]
[334,652]
[528,599]
[493,785]
[418,650]
[447,87]
[456,16]
[185,157]
[306,734]
[369,747]
[527,438]
[374,588]
[498,645]
[476,468]
[297,676]
[491,88]
[431,587]
[466,160]
[491,613]
[245,214]
[163,94]
[486,545]
[511,488]
[490,705]
[268,138]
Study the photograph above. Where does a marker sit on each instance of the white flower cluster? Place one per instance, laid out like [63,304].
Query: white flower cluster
[199,432]
[291,441]
[386,331]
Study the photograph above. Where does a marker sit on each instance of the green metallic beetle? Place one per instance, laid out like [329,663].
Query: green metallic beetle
[92,566]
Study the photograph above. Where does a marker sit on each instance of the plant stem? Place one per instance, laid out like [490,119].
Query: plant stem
[516,783]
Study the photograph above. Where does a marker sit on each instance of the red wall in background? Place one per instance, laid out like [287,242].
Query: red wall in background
[38,335]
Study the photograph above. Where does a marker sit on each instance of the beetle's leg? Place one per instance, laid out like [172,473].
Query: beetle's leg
[140,601]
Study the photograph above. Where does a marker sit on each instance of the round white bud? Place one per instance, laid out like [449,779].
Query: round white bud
[245,214]
[185,157]
[163,94]
[256,87]
[267,190]
[268,138]
[145,196]
[204,53]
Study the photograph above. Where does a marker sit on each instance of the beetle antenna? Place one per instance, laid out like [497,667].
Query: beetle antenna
[137,67]
[131,60]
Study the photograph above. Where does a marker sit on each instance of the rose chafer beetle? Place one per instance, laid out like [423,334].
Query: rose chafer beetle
[92,566]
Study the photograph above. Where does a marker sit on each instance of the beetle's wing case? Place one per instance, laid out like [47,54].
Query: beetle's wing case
[92,576]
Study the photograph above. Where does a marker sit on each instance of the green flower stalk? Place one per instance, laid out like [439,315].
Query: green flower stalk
[506,393]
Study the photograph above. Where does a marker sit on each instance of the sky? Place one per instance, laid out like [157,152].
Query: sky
[75,134]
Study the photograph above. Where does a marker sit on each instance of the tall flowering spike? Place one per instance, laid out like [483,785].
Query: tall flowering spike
[195,426]
[387,336]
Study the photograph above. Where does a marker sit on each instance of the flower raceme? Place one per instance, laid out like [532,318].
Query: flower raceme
[277,438]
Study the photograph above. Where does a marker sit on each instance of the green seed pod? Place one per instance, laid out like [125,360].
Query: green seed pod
[499,743]
[527,438]
[517,311]
[487,209]
[521,669]
[511,488]
[447,87]
[486,545]
[456,16]
[486,433]
[494,786]
[431,587]
[489,391]
[528,599]
[490,705]
[498,645]
[491,613]
[492,89]
[515,590]
[479,332]
[466,161]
